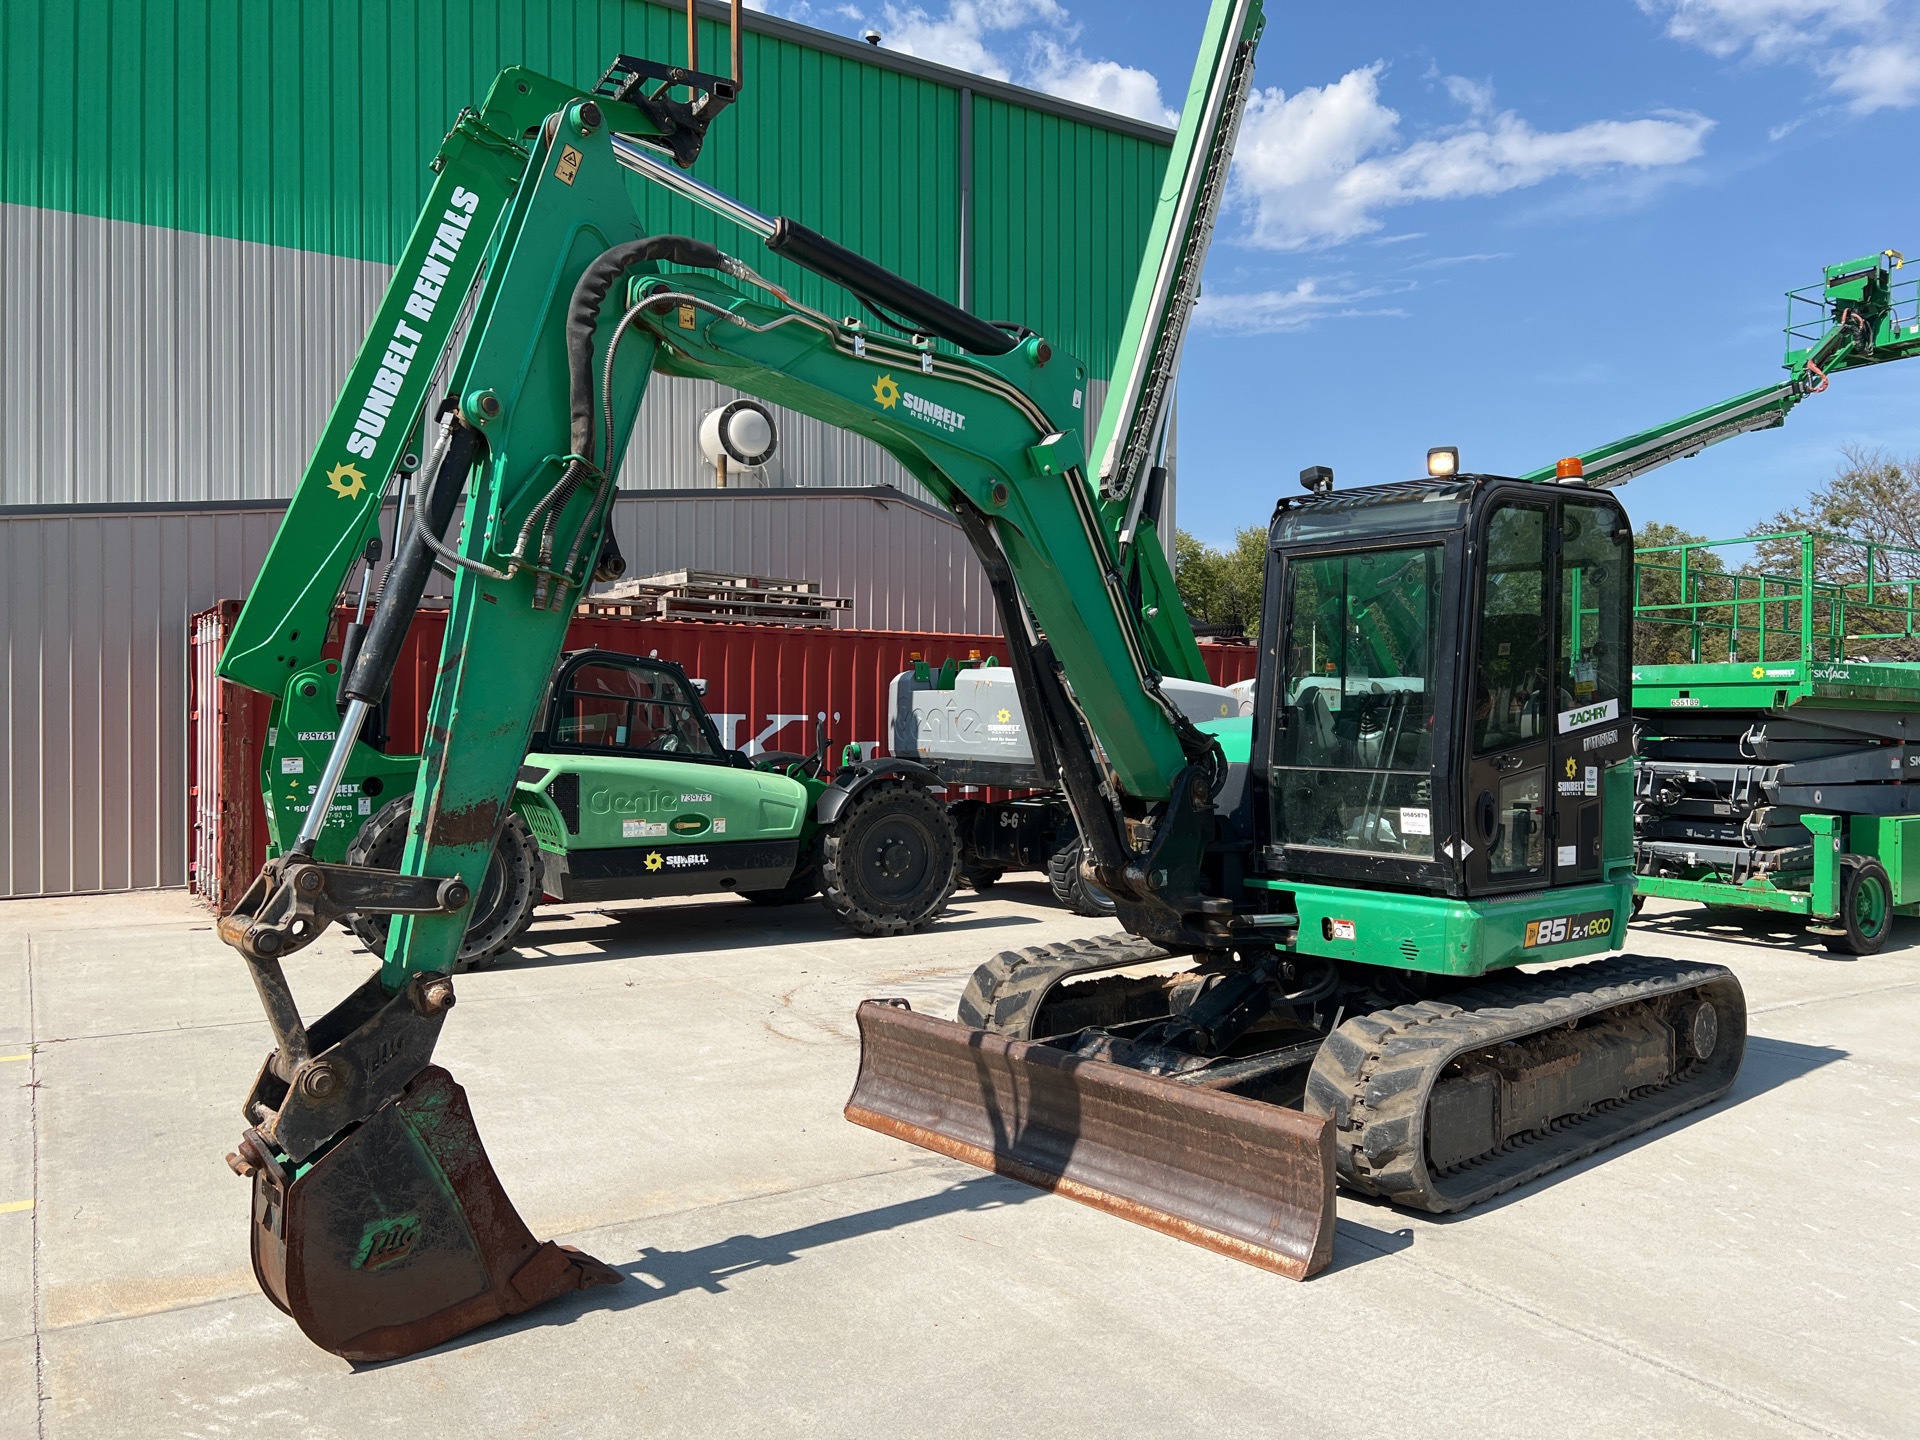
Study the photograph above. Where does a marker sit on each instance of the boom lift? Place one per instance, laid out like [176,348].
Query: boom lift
[1772,761]
[1858,315]
[1434,787]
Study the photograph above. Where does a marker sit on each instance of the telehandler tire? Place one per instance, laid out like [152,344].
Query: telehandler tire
[502,908]
[890,860]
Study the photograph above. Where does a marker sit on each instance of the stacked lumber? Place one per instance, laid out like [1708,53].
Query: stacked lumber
[714,596]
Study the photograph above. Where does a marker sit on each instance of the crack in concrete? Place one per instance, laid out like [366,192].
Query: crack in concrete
[1829,999]
[40,1396]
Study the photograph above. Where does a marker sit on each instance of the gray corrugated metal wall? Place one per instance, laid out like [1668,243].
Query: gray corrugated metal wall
[93,689]
[140,365]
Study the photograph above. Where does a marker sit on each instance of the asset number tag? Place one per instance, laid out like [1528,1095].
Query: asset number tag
[1564,928]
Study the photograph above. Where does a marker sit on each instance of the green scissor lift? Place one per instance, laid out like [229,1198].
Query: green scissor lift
[1778,766]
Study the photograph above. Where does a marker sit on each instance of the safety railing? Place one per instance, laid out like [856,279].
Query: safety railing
[1810,312]
[1791,594]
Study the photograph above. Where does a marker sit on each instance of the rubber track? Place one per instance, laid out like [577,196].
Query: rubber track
[1374,1075]
[1005,994]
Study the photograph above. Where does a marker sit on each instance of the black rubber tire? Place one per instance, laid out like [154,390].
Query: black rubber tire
[1639,904]
[1864,887]
[501,911]
[980,877]
[803,884]
[1070,888]
[890,860]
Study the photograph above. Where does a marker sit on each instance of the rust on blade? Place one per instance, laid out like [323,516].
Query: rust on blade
[1245,1179]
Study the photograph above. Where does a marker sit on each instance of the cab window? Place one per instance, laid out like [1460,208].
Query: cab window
[632,711]
[1355,764]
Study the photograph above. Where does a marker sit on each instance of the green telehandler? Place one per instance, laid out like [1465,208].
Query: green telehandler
[1347,886]
[627,793]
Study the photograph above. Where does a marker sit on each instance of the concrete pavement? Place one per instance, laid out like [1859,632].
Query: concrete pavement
[663,1089]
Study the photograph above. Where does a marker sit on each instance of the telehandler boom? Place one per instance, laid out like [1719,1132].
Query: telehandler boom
[1434,787]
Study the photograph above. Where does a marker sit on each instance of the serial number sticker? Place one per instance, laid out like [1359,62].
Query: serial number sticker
[1560,930]
[1416,820]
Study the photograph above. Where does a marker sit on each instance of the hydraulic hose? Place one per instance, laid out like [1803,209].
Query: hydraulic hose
[412,565]
[583,315]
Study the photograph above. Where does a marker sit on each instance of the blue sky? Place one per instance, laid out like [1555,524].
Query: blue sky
[1522,229]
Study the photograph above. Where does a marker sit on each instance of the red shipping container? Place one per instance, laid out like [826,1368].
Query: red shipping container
[766,684]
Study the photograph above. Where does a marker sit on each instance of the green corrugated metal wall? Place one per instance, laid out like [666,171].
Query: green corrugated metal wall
[1060,255]
[309,126]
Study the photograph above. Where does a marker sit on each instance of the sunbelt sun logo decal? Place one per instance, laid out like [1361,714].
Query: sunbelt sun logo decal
[888,394]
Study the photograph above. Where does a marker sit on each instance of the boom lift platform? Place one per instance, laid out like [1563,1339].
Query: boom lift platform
[1433,791]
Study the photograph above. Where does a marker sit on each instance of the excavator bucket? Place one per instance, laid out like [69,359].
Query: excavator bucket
[401,1236]
[1250,1180]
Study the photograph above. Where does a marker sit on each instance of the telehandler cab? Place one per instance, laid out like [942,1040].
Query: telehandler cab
[1433,790]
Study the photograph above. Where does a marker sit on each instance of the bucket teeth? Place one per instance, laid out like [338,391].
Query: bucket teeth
[1246,1179]
[401,1237]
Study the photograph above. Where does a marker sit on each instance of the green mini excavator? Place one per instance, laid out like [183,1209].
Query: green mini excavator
[1331,905]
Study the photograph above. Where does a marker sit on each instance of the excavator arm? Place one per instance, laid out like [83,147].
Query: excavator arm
[498,385]
[1860,314]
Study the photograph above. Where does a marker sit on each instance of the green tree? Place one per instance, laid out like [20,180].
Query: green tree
[1222,587]
[1669,637]
[1872,499]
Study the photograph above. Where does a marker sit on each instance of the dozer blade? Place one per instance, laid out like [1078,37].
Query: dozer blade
[401,1236]
[1250,1180]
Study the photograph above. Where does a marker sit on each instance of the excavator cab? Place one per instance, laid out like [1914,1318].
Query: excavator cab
[1445,695]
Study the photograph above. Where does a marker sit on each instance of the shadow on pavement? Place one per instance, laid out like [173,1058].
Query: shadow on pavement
[660,1274]
[678,929]
[1766,930]
[1356,1244]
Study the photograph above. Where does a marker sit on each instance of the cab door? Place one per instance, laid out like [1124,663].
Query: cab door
[1592,724]
[1506,814]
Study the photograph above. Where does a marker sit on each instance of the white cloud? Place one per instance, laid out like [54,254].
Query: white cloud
[1271,312]
[1034,43]
[1103,84]
[1868,51]
[1318,166]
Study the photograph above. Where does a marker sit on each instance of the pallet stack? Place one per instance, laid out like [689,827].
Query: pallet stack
[713,596]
